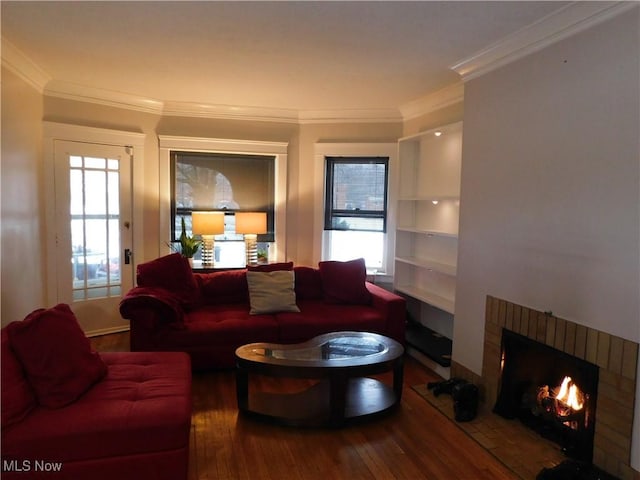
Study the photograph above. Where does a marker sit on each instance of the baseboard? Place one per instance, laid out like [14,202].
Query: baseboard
[106,331]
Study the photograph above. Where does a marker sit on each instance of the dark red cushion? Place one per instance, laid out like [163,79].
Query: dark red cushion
[229,286]
[142,406]
[173,273]
[56,355]
[343,282]
[308,283]
[271,267]
[17,397]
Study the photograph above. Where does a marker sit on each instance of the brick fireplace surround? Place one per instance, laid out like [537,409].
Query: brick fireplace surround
[616,357]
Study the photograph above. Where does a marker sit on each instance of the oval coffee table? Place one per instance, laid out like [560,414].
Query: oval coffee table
[340,361]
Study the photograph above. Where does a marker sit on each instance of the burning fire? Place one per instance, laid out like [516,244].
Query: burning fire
[566,404]
[570,394]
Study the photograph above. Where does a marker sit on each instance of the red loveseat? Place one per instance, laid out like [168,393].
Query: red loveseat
[71,413]
[210,315]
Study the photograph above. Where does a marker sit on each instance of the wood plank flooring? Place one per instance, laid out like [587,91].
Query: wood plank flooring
[414,442]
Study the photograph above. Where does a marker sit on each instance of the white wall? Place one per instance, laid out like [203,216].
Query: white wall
[22,228]
[550,195]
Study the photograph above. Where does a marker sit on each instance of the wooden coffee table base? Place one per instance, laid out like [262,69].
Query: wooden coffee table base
[330,402]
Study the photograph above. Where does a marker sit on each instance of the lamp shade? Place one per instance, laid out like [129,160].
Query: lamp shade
[207,223]
[251,222]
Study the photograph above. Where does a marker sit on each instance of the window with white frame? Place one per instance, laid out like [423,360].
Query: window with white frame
[355,214]
[222,182]
[181,197]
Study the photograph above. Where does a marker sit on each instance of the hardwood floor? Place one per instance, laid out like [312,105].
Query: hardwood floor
[414,442]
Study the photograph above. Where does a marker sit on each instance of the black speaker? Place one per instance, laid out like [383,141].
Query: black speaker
[465,401]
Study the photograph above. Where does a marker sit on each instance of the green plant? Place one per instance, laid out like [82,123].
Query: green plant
[188,245]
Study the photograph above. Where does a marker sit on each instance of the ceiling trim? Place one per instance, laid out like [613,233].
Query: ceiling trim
[229,112]
[81,93]
[374,115]
[18,63]
[68,91]
[564,22]
[442,98]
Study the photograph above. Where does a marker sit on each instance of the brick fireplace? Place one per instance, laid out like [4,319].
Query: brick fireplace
[616,358]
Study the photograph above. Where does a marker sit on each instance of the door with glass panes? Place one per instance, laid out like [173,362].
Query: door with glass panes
[94,231]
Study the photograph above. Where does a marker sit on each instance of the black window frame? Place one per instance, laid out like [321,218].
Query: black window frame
[330,212]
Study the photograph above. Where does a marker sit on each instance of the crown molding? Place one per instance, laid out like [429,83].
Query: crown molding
[69,91]
[442,98]
[18,63]
[109,98]
[373,115]
[199,144]
[564,22]
[230,112]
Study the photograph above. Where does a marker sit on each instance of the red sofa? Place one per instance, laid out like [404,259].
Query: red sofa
[209,315]
[71,413]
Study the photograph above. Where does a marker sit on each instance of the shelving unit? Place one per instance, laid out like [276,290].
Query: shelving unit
[427,237]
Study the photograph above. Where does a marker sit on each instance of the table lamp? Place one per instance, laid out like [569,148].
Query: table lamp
[207,224]
[250,224]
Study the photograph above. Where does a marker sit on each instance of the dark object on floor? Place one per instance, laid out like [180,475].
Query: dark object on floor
[445,386]
[574,470]
[465,401]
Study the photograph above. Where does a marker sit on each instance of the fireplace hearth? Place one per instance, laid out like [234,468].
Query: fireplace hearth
[551,392]
[616,358]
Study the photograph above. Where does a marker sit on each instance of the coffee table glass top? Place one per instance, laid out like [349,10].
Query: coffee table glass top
[336,347]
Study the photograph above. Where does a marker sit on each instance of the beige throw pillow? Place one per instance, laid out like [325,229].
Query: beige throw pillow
[271,292]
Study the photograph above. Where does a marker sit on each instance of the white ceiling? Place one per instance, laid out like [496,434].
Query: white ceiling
[286,55]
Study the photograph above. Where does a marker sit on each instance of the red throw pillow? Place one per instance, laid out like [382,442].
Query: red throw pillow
[344,282]
[228,286]
[308,283]
[271,267]
[56,355]
[173,273]
[17,397]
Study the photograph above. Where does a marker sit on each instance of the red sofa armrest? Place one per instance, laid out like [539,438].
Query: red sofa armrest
[394,309]
[148,309]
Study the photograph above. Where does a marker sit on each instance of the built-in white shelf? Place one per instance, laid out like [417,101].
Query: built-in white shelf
[427,227]
[443,303]
[429,264]
[427,232]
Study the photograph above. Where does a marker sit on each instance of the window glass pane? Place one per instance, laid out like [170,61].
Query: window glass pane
[347,245]
[113,185]
[77,190]
[95,192]
[359,186]
[229,254]
[75,161]
[112,164]
[357,223]
[90,162]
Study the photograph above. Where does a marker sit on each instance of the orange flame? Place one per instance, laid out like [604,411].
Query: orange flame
[570,394]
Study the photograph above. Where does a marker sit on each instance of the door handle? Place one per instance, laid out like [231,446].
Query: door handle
[127,256]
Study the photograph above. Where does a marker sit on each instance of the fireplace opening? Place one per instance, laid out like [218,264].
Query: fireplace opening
[549,391]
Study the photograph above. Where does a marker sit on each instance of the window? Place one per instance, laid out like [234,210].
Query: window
[232,149]
[356,194]
[356,208]
[229,182]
